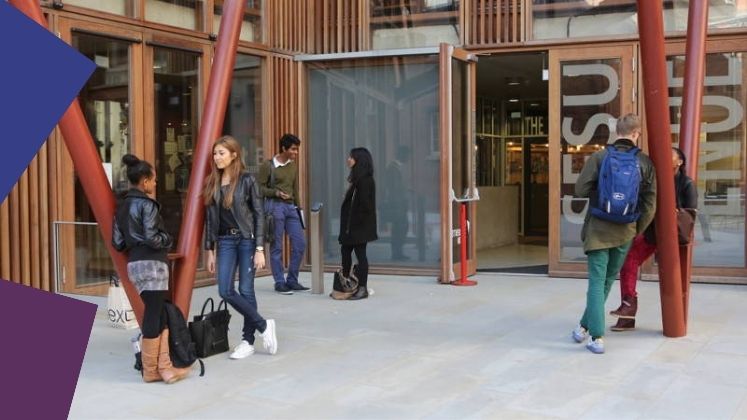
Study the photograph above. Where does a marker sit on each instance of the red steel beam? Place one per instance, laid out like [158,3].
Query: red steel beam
[692,101]
[655,89]
[211,126]
[87,163]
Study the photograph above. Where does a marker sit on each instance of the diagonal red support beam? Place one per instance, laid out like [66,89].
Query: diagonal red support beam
[656,95]
[211,126]
[90,171]
[692,101]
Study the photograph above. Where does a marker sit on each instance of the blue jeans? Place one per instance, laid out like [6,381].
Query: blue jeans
[235,251]
[286,221]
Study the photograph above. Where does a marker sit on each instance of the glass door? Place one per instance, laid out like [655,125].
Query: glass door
[457,136]
[108,104]
[589,89]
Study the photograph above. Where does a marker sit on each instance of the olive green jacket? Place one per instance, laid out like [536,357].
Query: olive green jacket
[601,234]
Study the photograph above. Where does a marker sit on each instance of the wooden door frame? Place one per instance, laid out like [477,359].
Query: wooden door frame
[447,53]
[625,52]
[64,182]
[710,274]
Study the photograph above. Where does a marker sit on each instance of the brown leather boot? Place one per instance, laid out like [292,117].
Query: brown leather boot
[149,355]
[624,324]
[166,369]
[628,308]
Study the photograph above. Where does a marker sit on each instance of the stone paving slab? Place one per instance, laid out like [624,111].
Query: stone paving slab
[417,349]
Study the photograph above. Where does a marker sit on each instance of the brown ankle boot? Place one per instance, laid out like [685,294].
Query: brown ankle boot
[624,324]
[166,369]
[149,354]
[628,308]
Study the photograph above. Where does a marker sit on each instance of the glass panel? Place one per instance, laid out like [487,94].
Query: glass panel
[251,27]
[590,103]
[414,23]
[719,233]
[176,100]
[460,144]
[552,19]
[92,262]
[187,14]
[243,118]
[117,7]
[105,101]
[390,107]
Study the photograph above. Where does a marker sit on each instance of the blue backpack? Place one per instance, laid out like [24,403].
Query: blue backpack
[618,184]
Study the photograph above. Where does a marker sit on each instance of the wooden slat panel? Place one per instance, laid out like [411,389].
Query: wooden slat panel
[4,240]
[24,219]
[15,235]
[44,219]
[33,248]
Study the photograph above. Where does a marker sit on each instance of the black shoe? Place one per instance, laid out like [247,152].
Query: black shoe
[298,286]
[283,289]
[361,293]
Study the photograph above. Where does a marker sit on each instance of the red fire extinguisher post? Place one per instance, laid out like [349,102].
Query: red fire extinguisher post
[463,237]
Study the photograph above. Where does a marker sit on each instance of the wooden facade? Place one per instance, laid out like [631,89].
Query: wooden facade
[288,28]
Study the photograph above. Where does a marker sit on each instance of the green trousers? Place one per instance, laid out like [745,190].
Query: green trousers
[604,265]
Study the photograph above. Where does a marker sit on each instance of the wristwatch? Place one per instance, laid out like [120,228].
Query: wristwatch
[259,249]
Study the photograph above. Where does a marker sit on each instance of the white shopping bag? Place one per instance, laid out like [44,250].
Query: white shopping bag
[118,307]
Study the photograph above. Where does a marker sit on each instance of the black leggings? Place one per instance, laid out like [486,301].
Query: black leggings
[153,317]
[360,255]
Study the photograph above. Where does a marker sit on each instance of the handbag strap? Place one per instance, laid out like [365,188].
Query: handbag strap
[212,306]
[224,304]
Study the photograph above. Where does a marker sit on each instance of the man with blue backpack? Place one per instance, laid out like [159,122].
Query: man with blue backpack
[620,183]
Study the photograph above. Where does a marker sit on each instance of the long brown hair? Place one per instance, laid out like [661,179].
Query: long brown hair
[213,181]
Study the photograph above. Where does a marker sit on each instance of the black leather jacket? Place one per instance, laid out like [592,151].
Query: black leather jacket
[138,228]
[246,209]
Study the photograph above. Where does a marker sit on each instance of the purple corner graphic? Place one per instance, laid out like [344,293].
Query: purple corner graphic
[44,335]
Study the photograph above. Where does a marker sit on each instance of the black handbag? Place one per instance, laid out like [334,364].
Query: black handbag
[210,330]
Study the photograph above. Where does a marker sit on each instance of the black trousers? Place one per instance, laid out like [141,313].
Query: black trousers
[360,255]
[154,319]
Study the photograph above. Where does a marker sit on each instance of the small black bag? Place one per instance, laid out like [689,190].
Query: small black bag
[210,331]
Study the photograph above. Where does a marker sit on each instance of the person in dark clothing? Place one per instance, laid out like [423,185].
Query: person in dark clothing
[396,202]
[234,230]
[358,218]
[138,231]
[644,245]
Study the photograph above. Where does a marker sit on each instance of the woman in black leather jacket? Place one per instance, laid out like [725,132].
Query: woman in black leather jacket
[138,231]
[686,196]
[234,230]
[358,218]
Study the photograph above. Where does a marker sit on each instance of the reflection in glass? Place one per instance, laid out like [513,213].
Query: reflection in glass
[391,109]
[590,104]
[251,26]
[553,19]
[176,97]
[719,231]
[185,14]
[105,101]
[243,118]
[414,23]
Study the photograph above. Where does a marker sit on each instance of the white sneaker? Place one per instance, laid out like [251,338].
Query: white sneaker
[579,334]
[242,350]
[269,338]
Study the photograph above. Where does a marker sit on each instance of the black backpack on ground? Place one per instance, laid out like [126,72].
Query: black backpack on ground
[181,347]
